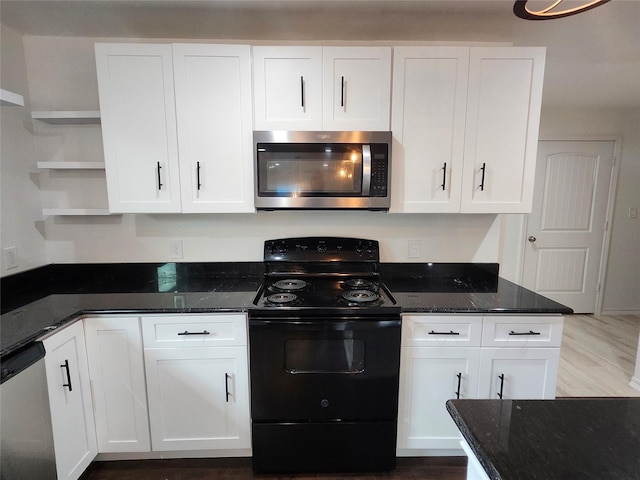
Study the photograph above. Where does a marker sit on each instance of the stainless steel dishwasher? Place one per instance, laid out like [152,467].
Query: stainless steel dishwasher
[25,419]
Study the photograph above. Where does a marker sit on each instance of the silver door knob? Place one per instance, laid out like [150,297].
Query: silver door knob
[532,238]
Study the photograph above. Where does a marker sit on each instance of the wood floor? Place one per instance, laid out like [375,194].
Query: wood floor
[428,468]
[597,359]
[598,355]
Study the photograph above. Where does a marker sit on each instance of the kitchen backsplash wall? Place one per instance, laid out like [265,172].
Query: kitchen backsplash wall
[240,237]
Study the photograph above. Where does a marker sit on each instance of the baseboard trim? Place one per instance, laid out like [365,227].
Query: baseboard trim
[620,312]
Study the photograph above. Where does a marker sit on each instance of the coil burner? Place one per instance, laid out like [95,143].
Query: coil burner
[290,285]
[359,284]
[360,296]
[282,298]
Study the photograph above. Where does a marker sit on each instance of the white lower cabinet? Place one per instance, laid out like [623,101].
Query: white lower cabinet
[116,367]
[455,356]
[198,388]
[429,377]
[74,434]
[518,373]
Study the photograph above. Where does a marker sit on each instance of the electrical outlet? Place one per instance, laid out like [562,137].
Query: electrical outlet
[633,212]
[414,248]
[176,249]
[10,258]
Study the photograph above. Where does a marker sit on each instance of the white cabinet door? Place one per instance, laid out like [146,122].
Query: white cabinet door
[518,373]
[137,106]
[287,88]
[198,398]
[214,116]
[74,435]
[503,117]
[116,367]
[428,125]
[357,88]
[429,376]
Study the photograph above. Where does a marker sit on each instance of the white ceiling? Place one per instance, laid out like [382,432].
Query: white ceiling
[593,59]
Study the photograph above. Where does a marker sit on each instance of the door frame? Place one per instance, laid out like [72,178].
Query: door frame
[613,184]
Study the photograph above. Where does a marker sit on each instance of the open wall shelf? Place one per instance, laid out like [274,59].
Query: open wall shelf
[10,99]
[68,117]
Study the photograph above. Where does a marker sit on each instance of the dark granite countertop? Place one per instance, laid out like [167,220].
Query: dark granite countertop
[461,288]
[48,297]
[577,438]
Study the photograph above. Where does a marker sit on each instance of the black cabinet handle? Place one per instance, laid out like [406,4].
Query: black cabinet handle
[198,175]
[530,332]
[444,176]
[451,332]
[484,168]
[226,387]
[186,332]
[459,382]
[342,92]
[65,365]
[159,179]
[302,92]
[501,377]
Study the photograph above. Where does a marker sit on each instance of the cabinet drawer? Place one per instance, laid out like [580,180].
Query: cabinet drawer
[522,331]
[194,331]
[427,330]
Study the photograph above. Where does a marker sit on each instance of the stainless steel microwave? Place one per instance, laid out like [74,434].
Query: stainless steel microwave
[322,170]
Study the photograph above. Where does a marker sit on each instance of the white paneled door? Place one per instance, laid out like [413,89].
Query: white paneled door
[565,231]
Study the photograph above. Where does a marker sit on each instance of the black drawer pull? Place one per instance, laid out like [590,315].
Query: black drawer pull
[483,169]
[444,176]
[65,365]
[530,332]
[226,387]
[160,184]
[186,332]
[459,375]
[451,332]
[501,392]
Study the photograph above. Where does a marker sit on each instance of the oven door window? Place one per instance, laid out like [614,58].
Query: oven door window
[324,356]
[306,170]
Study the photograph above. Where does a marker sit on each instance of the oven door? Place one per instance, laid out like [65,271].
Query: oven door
[324,369]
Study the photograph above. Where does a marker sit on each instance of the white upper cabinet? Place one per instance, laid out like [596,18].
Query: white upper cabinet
[465,124]
[213,104]
[287,88]
[357,88]
[183,149]
[428,121]
[135,84]
[501,137]
[321,88]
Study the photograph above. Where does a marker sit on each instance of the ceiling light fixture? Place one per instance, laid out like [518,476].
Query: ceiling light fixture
[520,9]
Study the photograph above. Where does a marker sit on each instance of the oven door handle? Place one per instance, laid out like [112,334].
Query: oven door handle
[366,170]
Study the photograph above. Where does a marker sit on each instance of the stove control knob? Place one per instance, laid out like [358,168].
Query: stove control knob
[321,248]
[370,250]
[324,403]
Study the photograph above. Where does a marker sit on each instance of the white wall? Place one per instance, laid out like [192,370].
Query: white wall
[21,216]
[622,284]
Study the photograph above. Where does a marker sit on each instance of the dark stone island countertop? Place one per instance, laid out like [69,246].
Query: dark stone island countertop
[38,300]
[572,438]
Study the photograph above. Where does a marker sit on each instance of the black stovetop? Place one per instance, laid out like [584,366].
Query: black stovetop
[332,274]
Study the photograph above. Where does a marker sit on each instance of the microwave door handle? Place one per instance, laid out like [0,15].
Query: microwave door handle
[366,170]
